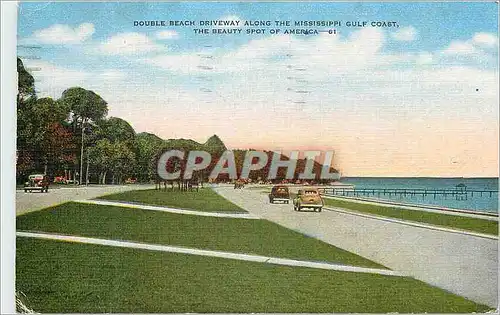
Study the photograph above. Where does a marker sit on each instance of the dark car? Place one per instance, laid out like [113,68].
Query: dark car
[37,182]
[279,193]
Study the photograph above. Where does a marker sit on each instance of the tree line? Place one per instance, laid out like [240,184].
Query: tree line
[72,136]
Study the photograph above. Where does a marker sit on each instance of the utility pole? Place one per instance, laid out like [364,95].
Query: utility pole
[81,158]
[87,171]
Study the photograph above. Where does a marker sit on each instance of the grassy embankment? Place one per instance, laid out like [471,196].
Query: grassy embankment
[233,235]
[447,220]
[79,278]
[59,277]
[205,199]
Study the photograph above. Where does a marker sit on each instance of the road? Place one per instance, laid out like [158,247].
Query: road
[465,265]
[27,202]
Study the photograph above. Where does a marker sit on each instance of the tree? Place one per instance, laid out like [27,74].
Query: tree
[25,83]
[42,139]
[85,106]
[25,98]
[114,158]
[116,130]
[147,145]
[99,157]
[48,136]
[60,149]
[122,161]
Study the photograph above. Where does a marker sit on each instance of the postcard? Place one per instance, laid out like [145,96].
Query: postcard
[256,157]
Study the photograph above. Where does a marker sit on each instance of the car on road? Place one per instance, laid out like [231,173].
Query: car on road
[308,198]
[279,193]
[37,182]
[239,184]
[131,180]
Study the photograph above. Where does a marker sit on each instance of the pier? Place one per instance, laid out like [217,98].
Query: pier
[459,193]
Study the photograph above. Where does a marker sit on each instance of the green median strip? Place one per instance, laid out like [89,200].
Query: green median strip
[205,199]
[58,277]
[447,220]
[258,237]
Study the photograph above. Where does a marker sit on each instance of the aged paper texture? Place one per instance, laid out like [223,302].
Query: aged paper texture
[257,157]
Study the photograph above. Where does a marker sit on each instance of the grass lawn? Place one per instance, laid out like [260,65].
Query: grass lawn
[226,234]
[59,277]
[203,200]
[453,221]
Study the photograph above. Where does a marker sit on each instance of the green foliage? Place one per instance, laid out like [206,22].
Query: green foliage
[112,148]
[25,83]
[42,140]
[85,105]
[45,143]
[99,154]
[116,130]
[204,199]
[215,145]
[122,160]
[116,158]
[147,145]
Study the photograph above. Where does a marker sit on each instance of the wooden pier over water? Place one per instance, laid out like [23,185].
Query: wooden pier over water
[460,194]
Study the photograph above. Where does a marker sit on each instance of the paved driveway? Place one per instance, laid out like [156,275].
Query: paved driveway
[463,264]
[27,202]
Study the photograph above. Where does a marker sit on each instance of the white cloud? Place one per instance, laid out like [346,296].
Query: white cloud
[424,58]
[167,34]
[64,34]
[485,39]
[112,74]
[352,83]
[477,45]
[460,48]
[184,63]
[360,50]
[406,34]
[51,80]
[129,44]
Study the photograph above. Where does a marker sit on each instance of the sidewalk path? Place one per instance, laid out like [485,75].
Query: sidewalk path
[27,202]
[167,209]
[210,253]
[463,264]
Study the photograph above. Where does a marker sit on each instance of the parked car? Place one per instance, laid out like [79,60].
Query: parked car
[239,184]
[59,180]
[308,198]
[131,180]
[37,182]
[63,180]
[279,193]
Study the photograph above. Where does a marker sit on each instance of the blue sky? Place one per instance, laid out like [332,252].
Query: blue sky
[437,23]
[430,85]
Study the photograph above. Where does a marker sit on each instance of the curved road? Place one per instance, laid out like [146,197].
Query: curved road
[27,202]
[463,264]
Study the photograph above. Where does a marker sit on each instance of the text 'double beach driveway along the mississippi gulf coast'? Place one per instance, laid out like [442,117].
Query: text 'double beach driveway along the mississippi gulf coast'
[26,202]
[463,264]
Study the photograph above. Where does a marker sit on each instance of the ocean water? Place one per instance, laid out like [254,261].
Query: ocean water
[476,202]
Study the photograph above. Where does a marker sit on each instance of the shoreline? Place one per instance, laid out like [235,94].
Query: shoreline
[416,206]
[429,208]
